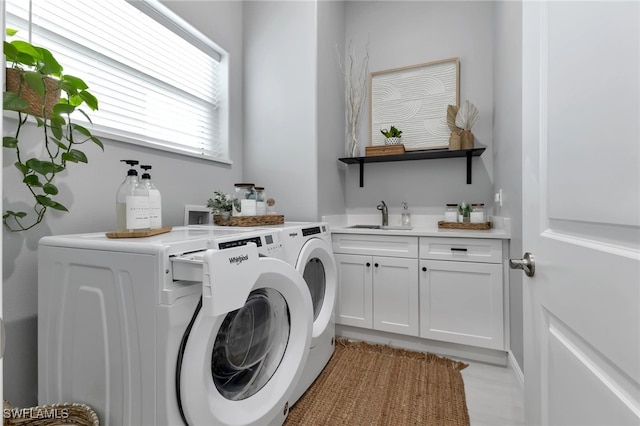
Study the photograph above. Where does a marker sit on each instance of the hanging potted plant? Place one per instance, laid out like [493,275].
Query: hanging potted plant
[34,85]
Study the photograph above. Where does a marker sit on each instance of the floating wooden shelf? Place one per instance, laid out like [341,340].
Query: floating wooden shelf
[417,155]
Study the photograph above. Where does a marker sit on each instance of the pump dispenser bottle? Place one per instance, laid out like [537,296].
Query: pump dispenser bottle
[132,202]
[406,214]
[155,200]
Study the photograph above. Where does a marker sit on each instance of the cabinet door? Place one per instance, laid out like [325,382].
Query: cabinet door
[395,295]
[354,299]
[461,302]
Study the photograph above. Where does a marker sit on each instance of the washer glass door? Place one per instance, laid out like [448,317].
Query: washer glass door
[316,279]
[250,344]
[318,267]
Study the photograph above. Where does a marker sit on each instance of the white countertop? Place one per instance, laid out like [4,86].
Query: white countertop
[423,226]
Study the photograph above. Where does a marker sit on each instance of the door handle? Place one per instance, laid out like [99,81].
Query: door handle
[527,264]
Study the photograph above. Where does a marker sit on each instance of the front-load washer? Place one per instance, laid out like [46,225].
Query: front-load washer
[165,330]
[308,248]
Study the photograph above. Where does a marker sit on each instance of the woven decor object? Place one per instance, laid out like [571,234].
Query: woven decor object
[26,93]
[50,415]
[269,219]
[367,384]
[464,225]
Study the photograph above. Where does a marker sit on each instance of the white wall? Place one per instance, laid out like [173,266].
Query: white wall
[280,101]
[294,105]
[89,192]
[507,147]
[331,107]
[403,33]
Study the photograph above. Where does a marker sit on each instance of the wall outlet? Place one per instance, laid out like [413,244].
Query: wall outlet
[498,197]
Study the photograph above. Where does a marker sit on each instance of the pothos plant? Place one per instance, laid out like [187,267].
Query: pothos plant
[37,68]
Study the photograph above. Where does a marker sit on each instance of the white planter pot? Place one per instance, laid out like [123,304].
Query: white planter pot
[392,141]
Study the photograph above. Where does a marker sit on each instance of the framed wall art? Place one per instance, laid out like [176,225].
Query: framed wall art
[414,99]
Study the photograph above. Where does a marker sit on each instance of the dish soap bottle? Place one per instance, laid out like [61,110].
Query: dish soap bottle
[155,200]
[132,202]
[406,214]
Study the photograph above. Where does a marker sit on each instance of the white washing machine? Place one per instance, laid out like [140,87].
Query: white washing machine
[308,248]
[167,330]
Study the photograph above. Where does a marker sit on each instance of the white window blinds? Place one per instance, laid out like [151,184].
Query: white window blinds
[156,78]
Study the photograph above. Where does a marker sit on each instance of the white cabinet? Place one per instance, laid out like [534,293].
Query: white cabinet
[461,297]
[395,295]
[378,292]
[354,301]
[440,288]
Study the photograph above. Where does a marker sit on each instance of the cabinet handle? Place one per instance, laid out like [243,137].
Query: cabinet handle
[424,269]
[368,264]
[458,249]
[375,264]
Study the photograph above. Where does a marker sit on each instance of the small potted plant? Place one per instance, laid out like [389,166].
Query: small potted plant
[221,204]
[392,136]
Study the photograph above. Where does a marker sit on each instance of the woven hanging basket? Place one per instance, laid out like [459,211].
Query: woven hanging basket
[26,92]
[50,415]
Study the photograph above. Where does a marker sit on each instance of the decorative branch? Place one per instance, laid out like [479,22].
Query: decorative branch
[355,87]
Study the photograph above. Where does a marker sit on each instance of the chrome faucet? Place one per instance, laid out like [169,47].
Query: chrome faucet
[385,213]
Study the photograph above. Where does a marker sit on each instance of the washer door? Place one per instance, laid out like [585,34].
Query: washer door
[241,367]
[318,267]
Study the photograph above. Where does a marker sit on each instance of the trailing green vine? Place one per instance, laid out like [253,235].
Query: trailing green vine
[61,136]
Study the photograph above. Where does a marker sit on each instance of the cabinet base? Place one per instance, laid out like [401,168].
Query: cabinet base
[453,350]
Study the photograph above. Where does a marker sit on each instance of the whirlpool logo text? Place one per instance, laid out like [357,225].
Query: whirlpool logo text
[239,259]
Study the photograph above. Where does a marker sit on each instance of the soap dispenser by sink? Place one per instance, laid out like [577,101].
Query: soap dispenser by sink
[406,215]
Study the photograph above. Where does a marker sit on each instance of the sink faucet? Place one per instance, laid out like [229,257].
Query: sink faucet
[385,213]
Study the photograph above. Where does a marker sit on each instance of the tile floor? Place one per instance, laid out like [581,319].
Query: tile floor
[494,395]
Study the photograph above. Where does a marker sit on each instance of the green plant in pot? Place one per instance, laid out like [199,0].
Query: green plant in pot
[35,82]
[392,135]
[221,204]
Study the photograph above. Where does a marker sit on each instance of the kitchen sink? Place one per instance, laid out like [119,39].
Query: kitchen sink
[398,227]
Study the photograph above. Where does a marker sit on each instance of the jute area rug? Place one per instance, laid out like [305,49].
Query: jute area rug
[366,384]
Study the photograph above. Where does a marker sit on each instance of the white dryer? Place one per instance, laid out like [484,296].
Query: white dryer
[166,330]
[308,248]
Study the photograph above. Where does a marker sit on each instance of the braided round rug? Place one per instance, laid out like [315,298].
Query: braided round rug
[367,384]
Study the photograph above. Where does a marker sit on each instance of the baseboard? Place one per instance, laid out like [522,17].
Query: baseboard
[454,350]
[513,363]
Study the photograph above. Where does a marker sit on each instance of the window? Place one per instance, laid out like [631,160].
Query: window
[158,80]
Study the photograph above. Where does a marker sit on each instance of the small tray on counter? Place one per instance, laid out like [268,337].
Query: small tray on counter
[464,225]
[270,219]
[137,234]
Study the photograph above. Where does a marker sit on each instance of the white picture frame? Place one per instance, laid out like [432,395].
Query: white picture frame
[414,99]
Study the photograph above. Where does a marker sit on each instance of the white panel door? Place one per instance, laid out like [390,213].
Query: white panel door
[354,300]
[581,212]
[2,335]
[395,295]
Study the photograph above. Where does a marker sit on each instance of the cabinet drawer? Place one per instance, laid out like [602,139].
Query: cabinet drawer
[376,245]
[461,249]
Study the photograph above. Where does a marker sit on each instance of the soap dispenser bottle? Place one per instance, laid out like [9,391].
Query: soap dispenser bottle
[155,200]
[132,202]
[406,214]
